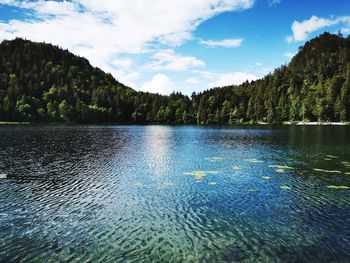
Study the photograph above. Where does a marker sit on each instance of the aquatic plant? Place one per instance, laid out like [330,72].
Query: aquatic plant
[281,166]
[280,170]
[137,184]
[285,187]
[338,187]
[253,160]
[327,171]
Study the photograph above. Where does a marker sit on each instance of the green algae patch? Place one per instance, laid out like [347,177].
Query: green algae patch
[266,177]
[327,171]
[236,168]
[328,159]
[253,160]
[338,187]
[347,173]
[3,176]
[285,187]
[168,184]
[281,166]
[137,184]
[212,183]
[282,171]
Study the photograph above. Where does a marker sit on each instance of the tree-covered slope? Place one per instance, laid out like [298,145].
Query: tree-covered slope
[315,86]
[41,82]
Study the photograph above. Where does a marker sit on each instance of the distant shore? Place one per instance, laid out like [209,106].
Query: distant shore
[297,123]
[317,123]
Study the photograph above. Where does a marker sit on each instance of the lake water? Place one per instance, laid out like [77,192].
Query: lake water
[174,194]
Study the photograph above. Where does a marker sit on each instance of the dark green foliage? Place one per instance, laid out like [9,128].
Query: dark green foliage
[40,82]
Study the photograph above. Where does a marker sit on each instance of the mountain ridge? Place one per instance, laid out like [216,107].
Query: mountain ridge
[42,82]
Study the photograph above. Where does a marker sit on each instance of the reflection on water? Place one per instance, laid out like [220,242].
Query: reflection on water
[174,194]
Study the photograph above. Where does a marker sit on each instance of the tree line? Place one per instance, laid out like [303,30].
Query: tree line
[43,83]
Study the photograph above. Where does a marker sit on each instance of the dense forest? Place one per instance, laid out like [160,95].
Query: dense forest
[43,83]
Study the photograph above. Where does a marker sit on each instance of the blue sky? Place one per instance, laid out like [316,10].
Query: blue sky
[183,45]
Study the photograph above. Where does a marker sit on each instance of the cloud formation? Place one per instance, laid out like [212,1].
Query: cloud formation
[234,78]
[168,60]
[101,30]
[228,43]
[302,30]
[160,83]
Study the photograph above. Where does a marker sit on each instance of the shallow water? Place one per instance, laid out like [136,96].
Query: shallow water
[174,194]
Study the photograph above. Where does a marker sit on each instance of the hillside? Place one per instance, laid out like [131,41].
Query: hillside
[315,86]
[41,82]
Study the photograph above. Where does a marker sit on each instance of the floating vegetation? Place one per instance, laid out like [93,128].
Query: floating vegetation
[345,163]
[168,184]
[285,187]
[347,173]
[198,175]
[211,172]
[338,187]
[266,177]
[236,168]
[3,176]
[280,171]
[328,159]
[137,184]
[212,183]
[327,171]
[332,156]
[281,166]
[253,160]
[214,159]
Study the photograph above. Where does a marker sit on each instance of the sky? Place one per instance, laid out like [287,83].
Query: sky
[162,46]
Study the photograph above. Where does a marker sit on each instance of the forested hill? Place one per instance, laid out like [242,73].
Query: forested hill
[315,86]
[41,82]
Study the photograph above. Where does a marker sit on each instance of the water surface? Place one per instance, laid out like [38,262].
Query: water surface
[174,194]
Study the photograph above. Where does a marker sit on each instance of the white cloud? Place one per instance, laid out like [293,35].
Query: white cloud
[193,81]
[274,2]
[160,83]
[168,60]
[289,54]
[302,30]
[100,30]
[231,42]
[234,78]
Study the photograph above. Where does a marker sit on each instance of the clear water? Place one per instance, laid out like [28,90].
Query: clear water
[126,194]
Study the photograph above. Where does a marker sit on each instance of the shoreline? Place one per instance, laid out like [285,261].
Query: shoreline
[290,123]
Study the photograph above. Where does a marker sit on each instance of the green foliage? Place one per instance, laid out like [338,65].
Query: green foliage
[41,82]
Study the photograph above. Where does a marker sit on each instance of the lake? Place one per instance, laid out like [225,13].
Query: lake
[174,194]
